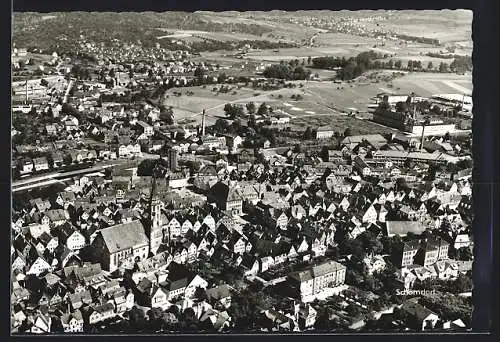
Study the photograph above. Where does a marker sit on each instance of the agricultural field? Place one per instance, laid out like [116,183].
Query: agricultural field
[191,106]
[427,84]
[447,27]
[358,95]
[339,123]
[393,50]
[193,35]
[305,52]
[279,29]
[319,101]
[337,38]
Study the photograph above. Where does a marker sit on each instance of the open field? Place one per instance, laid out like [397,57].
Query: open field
[284,54]
[427,84]
[394,51]
[346,50]
[201,98]
[191,107]
[320,100]
[194,35]
[280,29]
[447,26]
[359,95]
[339,123]
[338,38]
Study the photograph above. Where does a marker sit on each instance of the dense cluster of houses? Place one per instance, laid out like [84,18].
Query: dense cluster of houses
[257,215]
[87,255]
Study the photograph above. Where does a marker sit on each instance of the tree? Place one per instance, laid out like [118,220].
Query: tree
[167,115]
[383,107]
[388,278]
[245,308]
[323,322]
[390,64]
[461,64]
[443,67]
[347,132]
[462,284]
[353,310]
[370,243]
[308,133]
[174,309]
[464,164]
[145,168]
[353,277]
[324,153]
[221,126]
[464,254]
[67,160]
[430,66]
[199,73]
[401,184]
[201,294]
[401,107]
[350,71]
[398,64]
[233,111]
[34,284]
[137,318]
[222,78]
[449,307]
[263,110]
[155,316]
[251,107]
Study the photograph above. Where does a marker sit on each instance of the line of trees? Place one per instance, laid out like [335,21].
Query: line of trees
[214,45]
[423,40]
[353,67]
[287,71]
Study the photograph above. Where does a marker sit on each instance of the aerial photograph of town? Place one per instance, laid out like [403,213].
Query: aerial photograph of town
[241,172]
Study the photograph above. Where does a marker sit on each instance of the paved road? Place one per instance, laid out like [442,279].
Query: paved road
[35,179]
[57,177]
[54,175]
[36,185]
[54,178]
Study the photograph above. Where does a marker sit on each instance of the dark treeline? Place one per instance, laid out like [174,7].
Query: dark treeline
[349,68]
[287,71]
[214,45]
[461,64]
[106,27]
[422,40]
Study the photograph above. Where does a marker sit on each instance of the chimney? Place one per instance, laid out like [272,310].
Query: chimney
[203,124]
[422,137]
[26,91]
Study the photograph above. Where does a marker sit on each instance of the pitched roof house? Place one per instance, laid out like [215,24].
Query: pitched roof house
[121,243]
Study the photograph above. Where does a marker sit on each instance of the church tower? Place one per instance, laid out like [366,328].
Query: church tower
[156,235]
